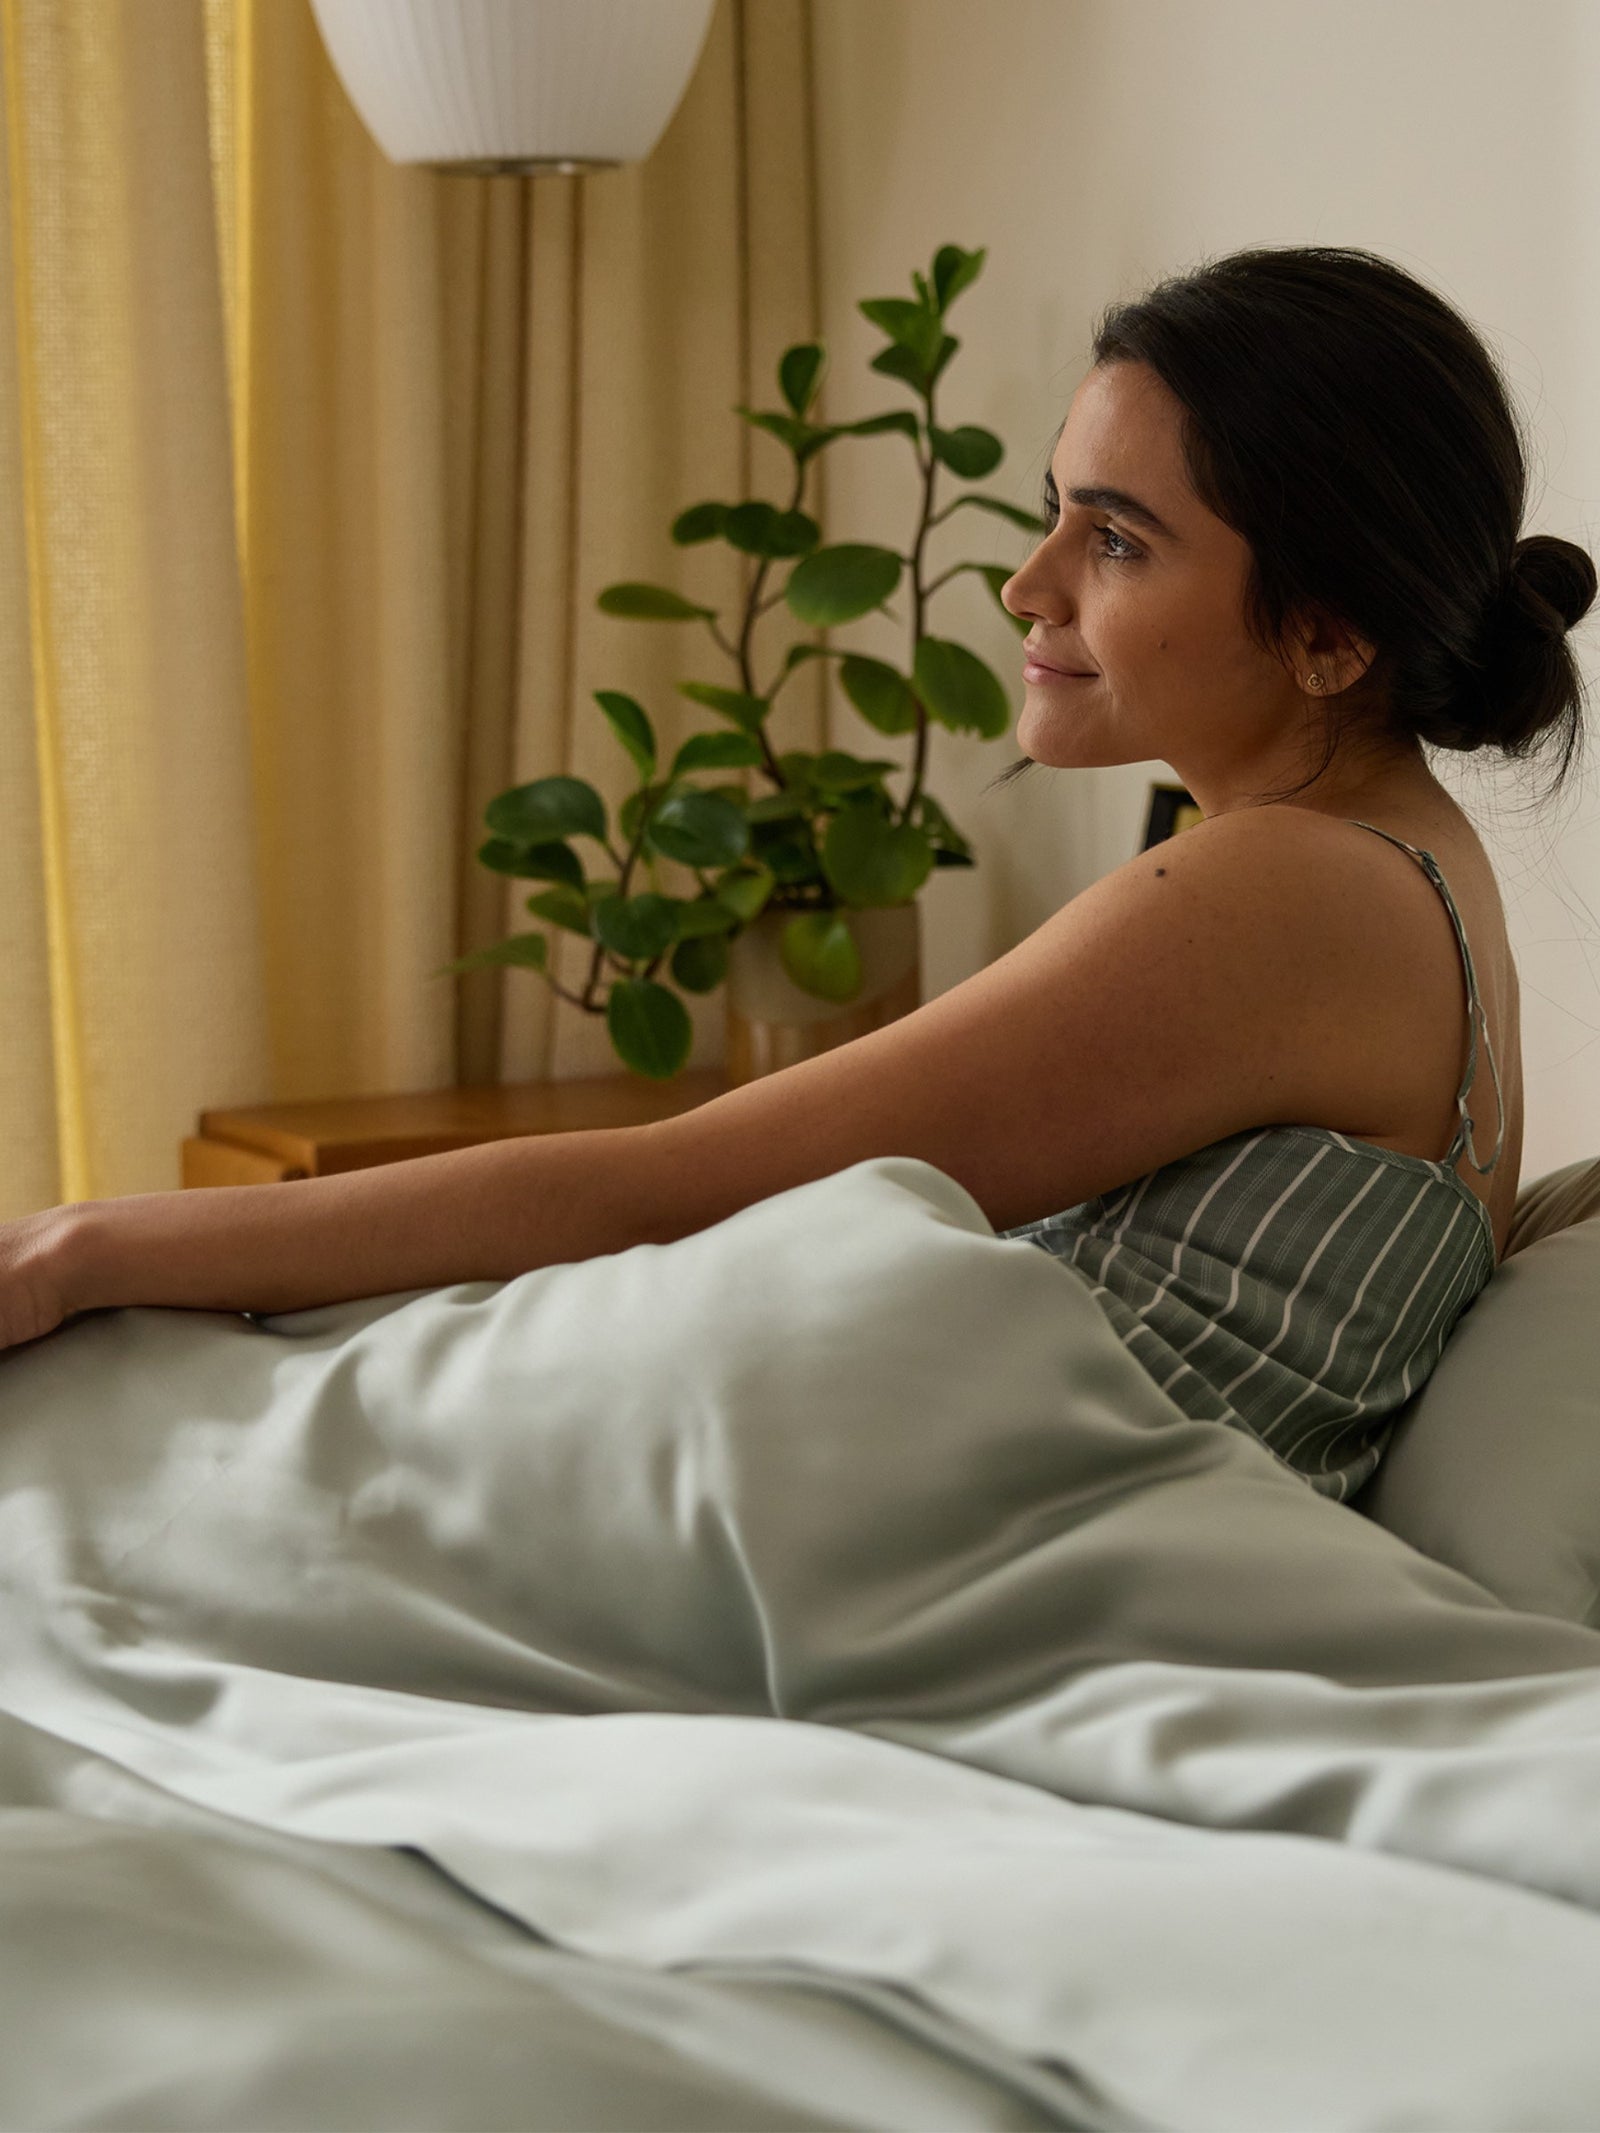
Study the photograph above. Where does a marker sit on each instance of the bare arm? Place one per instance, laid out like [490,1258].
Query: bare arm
[486,1213]
[1202,988]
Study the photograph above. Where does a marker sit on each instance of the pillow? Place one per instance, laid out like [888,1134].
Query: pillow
[1494,1465]
[1556,1202]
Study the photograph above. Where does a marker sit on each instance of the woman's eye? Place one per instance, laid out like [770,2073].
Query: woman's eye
[1124,551]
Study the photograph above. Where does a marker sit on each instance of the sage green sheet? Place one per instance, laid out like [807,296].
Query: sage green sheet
[806,1674]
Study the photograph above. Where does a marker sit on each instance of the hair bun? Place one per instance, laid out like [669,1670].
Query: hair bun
[1552,584]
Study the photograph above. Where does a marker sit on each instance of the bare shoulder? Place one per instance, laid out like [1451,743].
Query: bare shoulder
[1267,884]
[1205,987]
[1342,921]
[1392,1008]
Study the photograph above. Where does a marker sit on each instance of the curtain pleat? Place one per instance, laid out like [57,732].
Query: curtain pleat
[489,464]
[312,469]
[128,597]
[30,1153]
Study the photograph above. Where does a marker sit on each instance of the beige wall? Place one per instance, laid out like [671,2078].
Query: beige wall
[1093,147]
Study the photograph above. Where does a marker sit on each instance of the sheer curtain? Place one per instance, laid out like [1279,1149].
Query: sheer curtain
[310,470]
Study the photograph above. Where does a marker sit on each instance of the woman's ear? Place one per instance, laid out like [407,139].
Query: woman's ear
[1332,649]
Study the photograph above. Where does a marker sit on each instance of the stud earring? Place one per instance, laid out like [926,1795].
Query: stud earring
[1313,681]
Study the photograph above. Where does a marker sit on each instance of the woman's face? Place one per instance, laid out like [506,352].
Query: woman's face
[1154,611]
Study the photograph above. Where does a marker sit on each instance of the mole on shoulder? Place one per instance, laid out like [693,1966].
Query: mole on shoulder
[1161,870]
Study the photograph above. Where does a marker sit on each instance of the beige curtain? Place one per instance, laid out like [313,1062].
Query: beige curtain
[313,468]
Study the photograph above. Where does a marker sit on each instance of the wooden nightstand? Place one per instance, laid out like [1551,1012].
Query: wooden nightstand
[264,1144]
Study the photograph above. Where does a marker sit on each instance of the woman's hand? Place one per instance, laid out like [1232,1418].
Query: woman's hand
[38,1275]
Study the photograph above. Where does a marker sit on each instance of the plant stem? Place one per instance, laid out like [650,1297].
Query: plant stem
[919,595]
[588,999]
[754,605]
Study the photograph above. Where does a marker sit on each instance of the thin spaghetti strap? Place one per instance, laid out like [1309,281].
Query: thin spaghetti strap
[1463,1142]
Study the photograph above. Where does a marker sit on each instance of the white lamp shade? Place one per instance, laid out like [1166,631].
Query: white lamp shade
[515,84]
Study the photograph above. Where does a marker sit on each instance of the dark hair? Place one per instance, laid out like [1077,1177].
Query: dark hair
[1352,426]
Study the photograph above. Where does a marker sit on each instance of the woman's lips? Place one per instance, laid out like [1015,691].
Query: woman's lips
[1036,670]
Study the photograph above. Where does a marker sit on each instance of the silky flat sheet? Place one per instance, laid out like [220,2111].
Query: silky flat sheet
[816,1652]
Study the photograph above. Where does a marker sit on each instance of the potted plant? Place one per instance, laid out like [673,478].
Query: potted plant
[806,892]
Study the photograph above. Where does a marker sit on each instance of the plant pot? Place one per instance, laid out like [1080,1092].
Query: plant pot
[773,1023]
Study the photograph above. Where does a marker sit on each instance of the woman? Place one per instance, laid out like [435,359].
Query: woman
[1285,560]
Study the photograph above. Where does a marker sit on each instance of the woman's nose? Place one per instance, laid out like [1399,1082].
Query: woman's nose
[1029,593]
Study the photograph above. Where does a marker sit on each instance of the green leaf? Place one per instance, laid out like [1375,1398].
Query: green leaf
[959,690]
[914,327]
[702,915]
[761,529]
[900,418]
[900,318]
[837,584]
[947,348]
[775,807]
[819,952]
[798,652]
[798,373]
[969,451]
[744,890]
[840,771]
[745,526]
[812,439]
[934,819]
[701,522]
[998,505]
[897,362]
[870,860]
[792,533]
[649,1027]
[532,862]
[636,804]
[796,765]
[801,437]
[716,751]
[880,693]
[747,712]
[649,603]
[790,858]
[631,726]
[637,927]
[547,810]
[700,965]
[904,363]
[997,577]
[563,907]
[524,950]
[698,828]
[955,270]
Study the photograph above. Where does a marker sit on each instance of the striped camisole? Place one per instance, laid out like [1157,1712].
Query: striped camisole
[1293,1281]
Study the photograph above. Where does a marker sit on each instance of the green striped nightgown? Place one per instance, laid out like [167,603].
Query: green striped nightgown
[1291,1280]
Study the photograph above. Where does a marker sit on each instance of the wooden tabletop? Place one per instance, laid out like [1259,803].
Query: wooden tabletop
[348,1132]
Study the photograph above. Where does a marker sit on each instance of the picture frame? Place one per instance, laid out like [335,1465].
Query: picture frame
[1172,809]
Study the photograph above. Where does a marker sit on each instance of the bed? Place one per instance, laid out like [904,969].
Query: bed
[804,1675]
